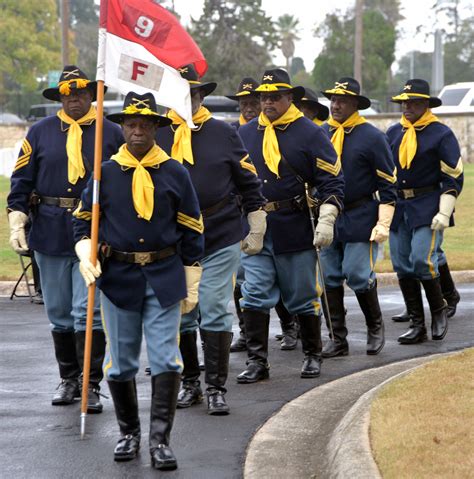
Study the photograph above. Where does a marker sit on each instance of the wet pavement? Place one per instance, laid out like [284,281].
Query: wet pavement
[41,441]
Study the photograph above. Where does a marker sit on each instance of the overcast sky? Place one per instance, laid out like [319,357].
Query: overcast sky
[311,12]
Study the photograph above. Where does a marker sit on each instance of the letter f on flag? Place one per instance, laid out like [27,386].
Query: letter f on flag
[141,46]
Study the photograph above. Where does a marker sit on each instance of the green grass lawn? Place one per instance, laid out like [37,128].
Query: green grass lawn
[458,243]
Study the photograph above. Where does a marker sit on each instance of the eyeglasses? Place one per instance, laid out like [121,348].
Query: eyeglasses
[273,97]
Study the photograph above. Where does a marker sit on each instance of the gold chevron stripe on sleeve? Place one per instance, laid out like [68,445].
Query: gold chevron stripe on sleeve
[329,167]
[24,159]
[247,165]
[190,222]
[453,172]
[389,178]
[82,215]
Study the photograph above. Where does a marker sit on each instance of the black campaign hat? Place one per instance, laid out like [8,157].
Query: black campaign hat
[139,105]
[188,72]
[71,77]
[417,89]
[279,80]
[247,87]
[311,98]
[347,86]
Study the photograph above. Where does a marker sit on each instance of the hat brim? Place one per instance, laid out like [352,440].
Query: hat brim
[159,119]
[298,91]
[54,95]
[322,110]
[239,97]
[207,88]
[433,101]
[362,101]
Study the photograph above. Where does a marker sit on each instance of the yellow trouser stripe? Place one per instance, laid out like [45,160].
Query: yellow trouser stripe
[109,364]
[430,253]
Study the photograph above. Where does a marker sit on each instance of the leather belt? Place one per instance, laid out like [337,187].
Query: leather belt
[143,257]
[61,202]
[212,210]
[357,203]
[297,203]
[410,193]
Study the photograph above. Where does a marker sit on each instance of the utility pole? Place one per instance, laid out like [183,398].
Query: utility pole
[64,12]
[437,80]
[358,41]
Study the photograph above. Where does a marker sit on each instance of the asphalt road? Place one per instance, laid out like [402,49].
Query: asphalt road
[39,441]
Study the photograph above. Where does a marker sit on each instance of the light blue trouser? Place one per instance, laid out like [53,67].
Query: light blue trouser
[215,292]
[123,330]
[353,262]
[65,293]
[290,275]
[441,254]
[414,252]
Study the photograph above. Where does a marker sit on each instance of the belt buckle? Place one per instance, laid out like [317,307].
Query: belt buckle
[67,202]
[143,258]
[270,207]
[409,193]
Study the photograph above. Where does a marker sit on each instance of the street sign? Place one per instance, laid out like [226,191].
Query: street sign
[53,78]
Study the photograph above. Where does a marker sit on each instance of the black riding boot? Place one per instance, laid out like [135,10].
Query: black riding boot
[69,370]
[438,308]
[450,293]
[216,360]
[164,395]
[239,344]
[191,392]
[411,291]
[337,346]
[256,327]
[401,317]
[369,304]
[289,327]
[94,406]
[124,395]
[310,328]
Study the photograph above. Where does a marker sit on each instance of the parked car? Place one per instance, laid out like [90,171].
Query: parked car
[37,112]
[10,119]
[456,98]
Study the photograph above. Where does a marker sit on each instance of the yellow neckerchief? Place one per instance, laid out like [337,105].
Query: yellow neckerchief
[408,145]
[318,122]
[182,148]
[142,183]
[337,138]
[270,149]
[242,120]
[75,164]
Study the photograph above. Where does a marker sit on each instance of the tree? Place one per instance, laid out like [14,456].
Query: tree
[84,21]
[378,52]
[287,27]
[31,45]
[236,38]
[421,69]
[297,64]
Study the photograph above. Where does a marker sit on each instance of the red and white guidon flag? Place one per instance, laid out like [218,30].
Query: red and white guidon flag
[141,45]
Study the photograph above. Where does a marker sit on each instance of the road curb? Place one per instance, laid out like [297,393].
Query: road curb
[280,447]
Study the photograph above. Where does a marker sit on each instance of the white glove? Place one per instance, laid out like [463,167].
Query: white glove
[88,271]
[446,208]
[253,242]
[381,230]
[324,233]
[17,221]
[193,277]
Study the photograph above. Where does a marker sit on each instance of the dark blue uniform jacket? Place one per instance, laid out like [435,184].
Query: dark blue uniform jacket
[42,167]
[310,153]
[368,167]
[437,163]
[175,221]
[222,169]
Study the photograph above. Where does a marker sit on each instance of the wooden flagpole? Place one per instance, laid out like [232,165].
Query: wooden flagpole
[94,245]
